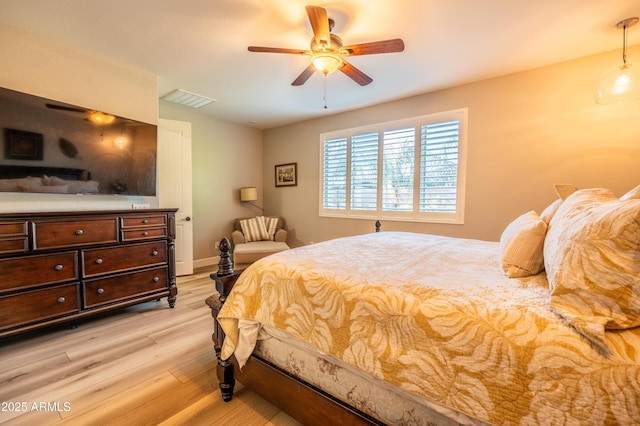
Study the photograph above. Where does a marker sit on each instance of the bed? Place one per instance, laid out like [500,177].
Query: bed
[52,180]
[402,328]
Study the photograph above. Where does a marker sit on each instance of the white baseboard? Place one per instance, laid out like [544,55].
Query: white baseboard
[207,261]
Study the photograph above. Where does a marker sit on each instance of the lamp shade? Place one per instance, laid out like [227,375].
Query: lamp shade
[618,85]
[248,194]
[326,62]
[622,83]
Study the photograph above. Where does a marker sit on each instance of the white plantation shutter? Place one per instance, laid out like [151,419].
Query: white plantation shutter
[334,171]
[398,165]
[439,167]
[364,172]
[409,170]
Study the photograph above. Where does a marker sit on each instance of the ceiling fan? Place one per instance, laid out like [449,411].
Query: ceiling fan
[327,52]
[96,117]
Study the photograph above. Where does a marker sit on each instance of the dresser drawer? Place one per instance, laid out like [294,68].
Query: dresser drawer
[123,258]
[14,245]
[141,234]
[13,237]
[22,272]
[38,305]
[143,220]
[125,286]
[74,233]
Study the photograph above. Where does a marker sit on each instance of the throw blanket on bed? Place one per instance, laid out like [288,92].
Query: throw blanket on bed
[437,317]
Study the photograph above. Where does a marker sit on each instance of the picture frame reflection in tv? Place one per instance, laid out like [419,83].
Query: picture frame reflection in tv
[22,145]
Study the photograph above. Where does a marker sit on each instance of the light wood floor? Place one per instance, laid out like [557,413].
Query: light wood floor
[144,365]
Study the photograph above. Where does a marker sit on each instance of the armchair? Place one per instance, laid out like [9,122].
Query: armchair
[258,237]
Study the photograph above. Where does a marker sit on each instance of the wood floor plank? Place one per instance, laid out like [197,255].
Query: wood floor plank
[111,408]
[142,365]
[15,379]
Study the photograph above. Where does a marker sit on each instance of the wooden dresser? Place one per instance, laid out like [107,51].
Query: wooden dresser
[59,267]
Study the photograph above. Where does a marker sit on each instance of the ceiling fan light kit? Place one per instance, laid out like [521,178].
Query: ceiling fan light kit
[326,63]
[327,52]
[622,83]
[97,117]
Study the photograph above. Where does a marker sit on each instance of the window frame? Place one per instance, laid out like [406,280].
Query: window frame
[457,217]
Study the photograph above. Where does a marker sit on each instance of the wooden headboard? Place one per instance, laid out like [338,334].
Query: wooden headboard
[16,172]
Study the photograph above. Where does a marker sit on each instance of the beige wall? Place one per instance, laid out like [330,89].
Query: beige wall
[226,157]
[38,66]
[526,132]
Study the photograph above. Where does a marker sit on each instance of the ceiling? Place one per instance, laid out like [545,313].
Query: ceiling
[201,45]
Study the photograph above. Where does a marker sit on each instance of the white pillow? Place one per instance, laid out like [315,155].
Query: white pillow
[633,194]
[521,246]
[550,210]
[592,263]
[29,184]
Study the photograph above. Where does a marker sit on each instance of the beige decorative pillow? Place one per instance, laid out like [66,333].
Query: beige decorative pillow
[271,223]
[633,194]
[564,190]
[550,210]
[521,246]
[254,229]
[591,255]
[30,184]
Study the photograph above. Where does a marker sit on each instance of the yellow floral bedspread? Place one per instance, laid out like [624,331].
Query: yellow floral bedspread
[436,317]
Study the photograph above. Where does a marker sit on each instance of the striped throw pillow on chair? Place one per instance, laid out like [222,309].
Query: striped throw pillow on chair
[254,229]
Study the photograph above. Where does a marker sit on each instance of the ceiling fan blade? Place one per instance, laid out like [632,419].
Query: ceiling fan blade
[384,46]
[320,24]
[355,74]
[302,78]
[65,108]
[277,50]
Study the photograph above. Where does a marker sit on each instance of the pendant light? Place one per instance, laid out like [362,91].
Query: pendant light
[622,83]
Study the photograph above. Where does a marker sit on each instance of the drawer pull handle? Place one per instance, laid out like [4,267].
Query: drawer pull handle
[156,279]
[98,261]
[100,290]
[145,233]
[61,299]
[154,253]
[79,232]
[58,267]
[145,221]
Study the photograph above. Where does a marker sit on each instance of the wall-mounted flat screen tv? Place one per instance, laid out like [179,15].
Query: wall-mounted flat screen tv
[58,148]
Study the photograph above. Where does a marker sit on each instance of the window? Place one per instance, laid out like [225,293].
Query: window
[405,170]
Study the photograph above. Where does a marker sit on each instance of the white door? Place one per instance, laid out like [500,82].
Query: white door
[174,186]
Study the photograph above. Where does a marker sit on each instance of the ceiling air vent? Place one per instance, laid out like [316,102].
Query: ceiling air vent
[186,98]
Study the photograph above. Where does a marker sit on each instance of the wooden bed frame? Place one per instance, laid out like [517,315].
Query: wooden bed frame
[301,400]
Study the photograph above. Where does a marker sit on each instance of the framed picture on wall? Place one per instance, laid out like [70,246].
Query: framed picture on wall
[21,145]
[287,174]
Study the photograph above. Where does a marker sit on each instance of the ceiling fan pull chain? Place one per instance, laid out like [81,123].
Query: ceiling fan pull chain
[324,98]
